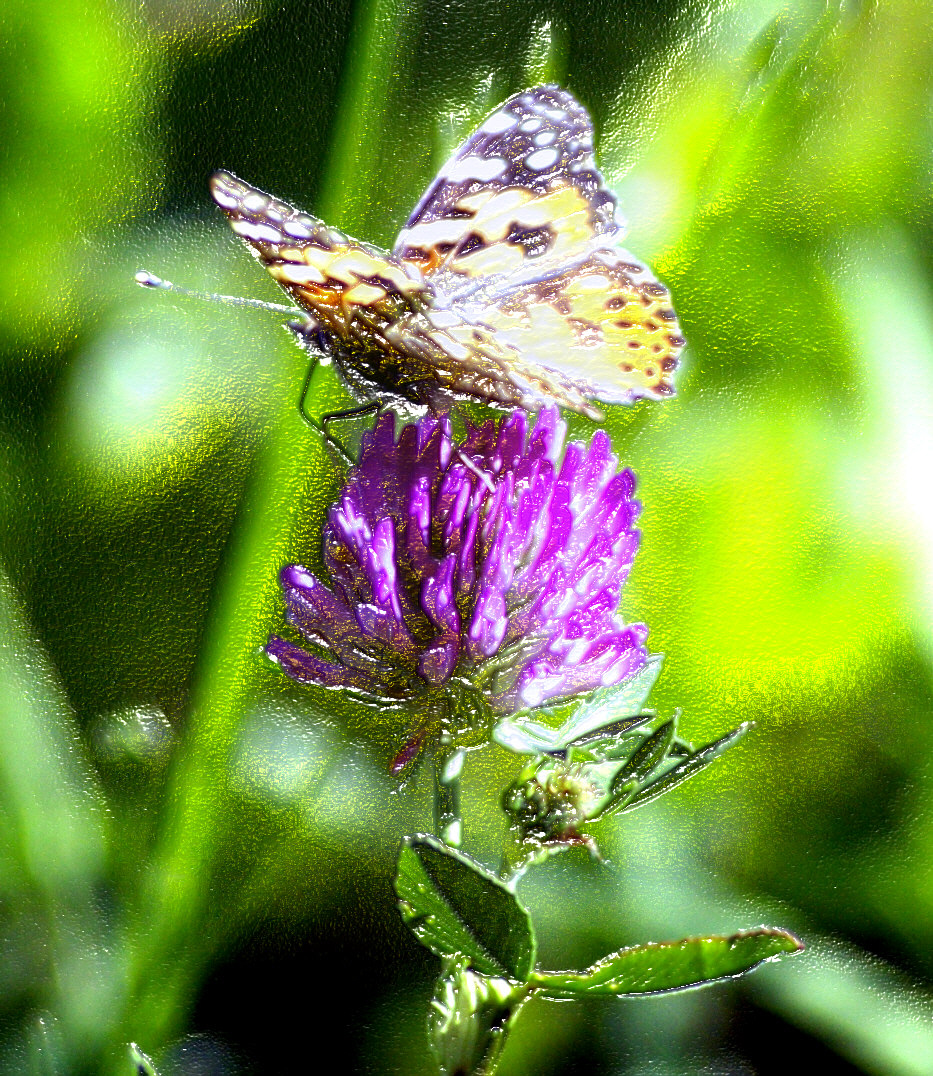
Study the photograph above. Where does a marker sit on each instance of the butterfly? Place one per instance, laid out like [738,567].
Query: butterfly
[507,284]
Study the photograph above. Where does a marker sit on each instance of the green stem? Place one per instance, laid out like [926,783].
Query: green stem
[448,768]
[379,46]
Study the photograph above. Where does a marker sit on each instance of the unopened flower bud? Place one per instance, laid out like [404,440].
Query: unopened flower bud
[470,1017]
[552,798]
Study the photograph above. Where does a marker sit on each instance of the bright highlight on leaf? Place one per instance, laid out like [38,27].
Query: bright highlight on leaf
[456,907]
[144,1067]
[603,708]
[659,967]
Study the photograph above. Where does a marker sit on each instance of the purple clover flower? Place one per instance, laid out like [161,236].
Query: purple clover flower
[496,568]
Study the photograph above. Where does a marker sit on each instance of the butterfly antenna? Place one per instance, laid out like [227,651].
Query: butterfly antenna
[150,280]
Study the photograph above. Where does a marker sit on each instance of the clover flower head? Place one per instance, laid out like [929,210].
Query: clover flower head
[496,566]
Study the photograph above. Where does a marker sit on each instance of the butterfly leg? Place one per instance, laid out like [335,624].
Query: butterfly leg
[340,416]
[310,337]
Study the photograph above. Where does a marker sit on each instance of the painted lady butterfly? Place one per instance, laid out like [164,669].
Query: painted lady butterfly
[507,284]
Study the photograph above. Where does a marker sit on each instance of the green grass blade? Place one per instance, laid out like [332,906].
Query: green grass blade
[167,937]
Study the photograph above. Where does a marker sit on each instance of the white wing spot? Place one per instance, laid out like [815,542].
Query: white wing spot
[454,349]
[427,234]
[261,233]
[595,282]
[224,198]
[545,138]
[297,230]
[255,203]
[530,125]
[297,274]
[481,168]
[543,158]
[501,121]
[364,294]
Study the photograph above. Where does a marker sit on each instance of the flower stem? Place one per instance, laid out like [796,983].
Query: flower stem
[448,767]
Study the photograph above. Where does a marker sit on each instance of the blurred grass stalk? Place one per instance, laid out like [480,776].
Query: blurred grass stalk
[55,832]
[175,926]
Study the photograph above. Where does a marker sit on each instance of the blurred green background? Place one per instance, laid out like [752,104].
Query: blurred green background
[195,856]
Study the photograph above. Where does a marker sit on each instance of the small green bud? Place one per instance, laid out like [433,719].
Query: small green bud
[470,1018]
[551,798]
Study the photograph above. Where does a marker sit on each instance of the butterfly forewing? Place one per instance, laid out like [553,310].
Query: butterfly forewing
[327,273]
[519,232]
[522,190]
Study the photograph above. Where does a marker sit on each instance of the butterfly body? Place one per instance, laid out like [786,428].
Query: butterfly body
[507,285]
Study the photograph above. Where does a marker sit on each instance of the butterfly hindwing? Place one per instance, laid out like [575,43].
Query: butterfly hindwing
[606,324]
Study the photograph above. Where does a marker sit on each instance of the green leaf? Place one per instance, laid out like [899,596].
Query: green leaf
[620,706]
[144,1066]
[659,967]
[616,740]
[53,806]
[455,907]
[690,765]
[651,754]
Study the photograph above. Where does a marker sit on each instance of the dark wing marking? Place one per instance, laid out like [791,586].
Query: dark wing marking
[331,276]
[524,186]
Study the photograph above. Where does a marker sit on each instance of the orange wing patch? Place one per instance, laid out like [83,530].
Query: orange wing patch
[501,232]
[606,323]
